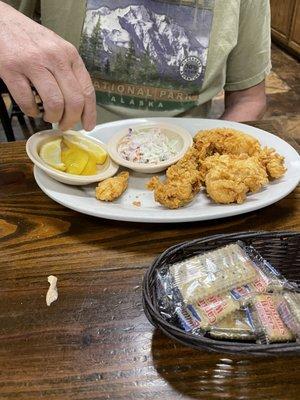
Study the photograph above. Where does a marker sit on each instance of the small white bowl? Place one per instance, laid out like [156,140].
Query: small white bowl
[33,146]
[184,138]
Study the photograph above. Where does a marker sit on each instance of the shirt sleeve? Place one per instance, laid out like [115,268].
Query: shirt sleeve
[250,60]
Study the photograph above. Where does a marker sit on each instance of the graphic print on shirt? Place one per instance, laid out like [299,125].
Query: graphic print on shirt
[147,54]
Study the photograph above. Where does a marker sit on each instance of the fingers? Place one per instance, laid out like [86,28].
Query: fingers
[20,89]
[89,114]
[63,85]
[73,97]
[50,94]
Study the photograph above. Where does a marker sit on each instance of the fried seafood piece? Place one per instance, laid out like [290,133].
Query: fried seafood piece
[171,194]
[186,170]
[112,188]
[231,141]
[229,178]
[272,161]
[183,182]
[225,141]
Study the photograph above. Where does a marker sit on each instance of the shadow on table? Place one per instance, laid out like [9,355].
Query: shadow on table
[203,375]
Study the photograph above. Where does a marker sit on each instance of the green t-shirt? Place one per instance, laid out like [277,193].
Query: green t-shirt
[162,57]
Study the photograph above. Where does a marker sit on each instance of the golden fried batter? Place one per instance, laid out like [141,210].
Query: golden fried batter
[228,178]
[112,188]
[225,141]
[186,170]
[182,184]
[273,162]
[171,194]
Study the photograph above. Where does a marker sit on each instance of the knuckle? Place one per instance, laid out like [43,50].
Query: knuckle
[77,102]
[89,92]
[55,55]
[31,58]
[71,50]
[32,66]
[34,57]
[10,64]
[54,103]
[27,60]
[60,63]
[52,48]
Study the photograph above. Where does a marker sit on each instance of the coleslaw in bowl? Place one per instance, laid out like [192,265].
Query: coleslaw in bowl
[149,148]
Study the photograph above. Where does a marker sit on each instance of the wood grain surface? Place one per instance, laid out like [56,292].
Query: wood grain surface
[94,342]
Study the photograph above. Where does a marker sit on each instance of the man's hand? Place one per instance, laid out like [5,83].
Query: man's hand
[245,105]
[33,55]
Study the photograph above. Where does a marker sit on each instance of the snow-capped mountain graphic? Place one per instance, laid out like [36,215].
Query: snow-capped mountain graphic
[161,37]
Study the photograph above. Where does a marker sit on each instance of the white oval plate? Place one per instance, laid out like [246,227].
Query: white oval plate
[82,199]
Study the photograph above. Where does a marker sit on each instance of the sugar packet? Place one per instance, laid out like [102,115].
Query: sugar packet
[268,324]
[213,272]
[235,326]
[289,310]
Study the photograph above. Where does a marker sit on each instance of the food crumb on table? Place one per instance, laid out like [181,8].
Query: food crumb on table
[52,293]
[137,203]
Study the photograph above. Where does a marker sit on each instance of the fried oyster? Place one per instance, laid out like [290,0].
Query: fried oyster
[182,182]
[225,141]
[229,178]
[112,188]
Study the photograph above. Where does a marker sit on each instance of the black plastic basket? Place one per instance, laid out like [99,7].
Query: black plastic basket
[282,249]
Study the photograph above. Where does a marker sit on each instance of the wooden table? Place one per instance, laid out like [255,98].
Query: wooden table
[95,342]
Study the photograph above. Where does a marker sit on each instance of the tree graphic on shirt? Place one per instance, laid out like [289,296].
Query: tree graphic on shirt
[147,70]
[119,70]
[126,64]
[84,47]
[96,46]
[131,58]
[107,67]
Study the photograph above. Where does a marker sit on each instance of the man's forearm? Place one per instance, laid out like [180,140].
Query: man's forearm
[244,111]
[245,105]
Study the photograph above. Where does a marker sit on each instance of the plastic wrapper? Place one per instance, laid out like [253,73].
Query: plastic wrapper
[268,324]
[167,296]
[265,281]
[212,309]
[186,319]
[236,326]
[205,313]
[268,279]
[201,314]
[289,310]
[213,272]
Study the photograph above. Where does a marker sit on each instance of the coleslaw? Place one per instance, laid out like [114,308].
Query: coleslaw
[147,146]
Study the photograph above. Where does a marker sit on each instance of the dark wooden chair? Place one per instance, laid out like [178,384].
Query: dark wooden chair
[6,116]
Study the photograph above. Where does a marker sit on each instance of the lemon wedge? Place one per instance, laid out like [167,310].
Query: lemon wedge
[91,167]
[75,160]
[50,153]
[93,149]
